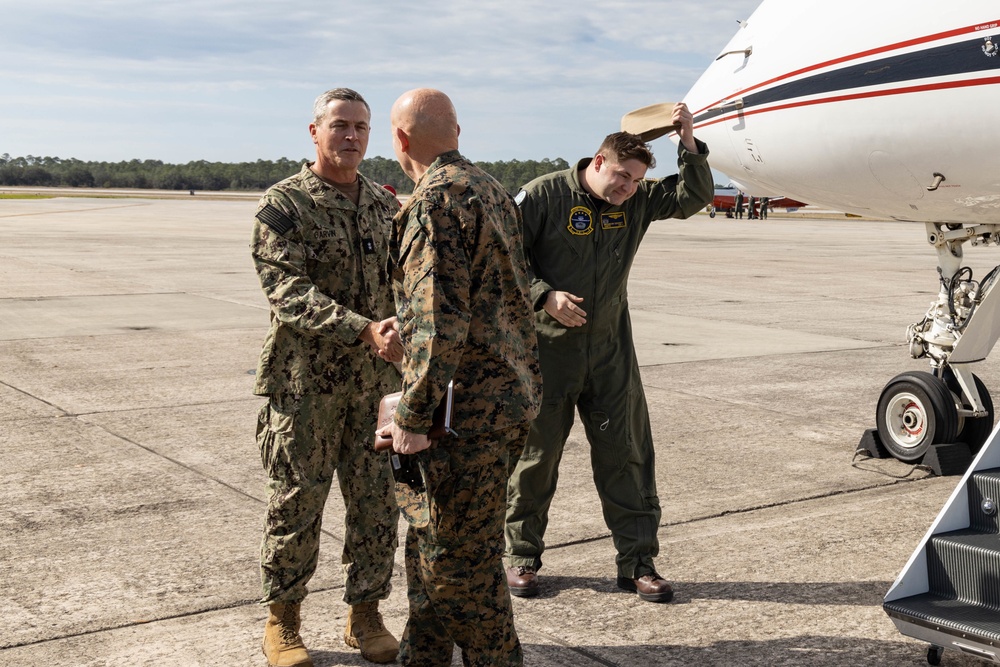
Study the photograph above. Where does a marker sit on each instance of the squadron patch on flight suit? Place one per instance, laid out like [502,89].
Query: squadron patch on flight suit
[615,220]
[275,219]
[581,221]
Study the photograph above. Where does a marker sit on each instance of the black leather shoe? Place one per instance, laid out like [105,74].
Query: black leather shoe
[650,587]
[522,581]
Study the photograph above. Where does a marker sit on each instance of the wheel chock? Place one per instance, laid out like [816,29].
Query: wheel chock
[948,459]
[872,444]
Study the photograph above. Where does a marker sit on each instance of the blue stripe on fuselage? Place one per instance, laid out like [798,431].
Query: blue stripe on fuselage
[961,58]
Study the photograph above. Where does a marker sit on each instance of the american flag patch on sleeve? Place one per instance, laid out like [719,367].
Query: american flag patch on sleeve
[275,219]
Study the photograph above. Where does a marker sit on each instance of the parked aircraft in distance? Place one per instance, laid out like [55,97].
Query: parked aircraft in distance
[890,109]
[725,201]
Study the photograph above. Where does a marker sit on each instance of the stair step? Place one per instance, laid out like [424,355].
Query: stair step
[965,565]
[954,617]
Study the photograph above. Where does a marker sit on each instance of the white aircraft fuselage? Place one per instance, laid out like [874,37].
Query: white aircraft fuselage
[858,106]
[893,109]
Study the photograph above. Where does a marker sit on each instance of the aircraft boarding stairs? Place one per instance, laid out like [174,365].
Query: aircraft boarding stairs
[949,592]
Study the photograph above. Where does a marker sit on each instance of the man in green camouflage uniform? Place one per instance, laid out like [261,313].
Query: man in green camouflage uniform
[582,229]
[320,247]
[462,296]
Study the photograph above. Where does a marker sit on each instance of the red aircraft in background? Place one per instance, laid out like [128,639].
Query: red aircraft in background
[725,202]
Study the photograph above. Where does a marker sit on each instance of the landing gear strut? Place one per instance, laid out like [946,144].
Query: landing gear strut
[918,410]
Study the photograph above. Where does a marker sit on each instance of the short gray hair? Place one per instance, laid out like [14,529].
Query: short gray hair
[344,94]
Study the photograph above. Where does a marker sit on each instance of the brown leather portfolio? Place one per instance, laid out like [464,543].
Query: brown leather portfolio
[440,426]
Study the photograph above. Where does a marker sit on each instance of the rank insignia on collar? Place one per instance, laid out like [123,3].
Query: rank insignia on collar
[581,221]
[615,220]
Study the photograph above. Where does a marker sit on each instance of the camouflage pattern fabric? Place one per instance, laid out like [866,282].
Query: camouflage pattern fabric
[573,245]
[461,289]
[321,263]
[456,585]
[303,440]
[413,504]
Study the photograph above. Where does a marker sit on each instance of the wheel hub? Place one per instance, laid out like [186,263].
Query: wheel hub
[907,420]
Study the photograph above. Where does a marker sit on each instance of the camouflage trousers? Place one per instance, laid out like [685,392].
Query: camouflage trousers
[455,577]
[303,440]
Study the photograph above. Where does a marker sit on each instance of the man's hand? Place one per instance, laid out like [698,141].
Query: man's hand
[384,338]
[392,345]
[682,116]
[562,306]
[404,442]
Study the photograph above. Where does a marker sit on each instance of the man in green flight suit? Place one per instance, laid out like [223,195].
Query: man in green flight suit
[319,244]
[582,229]
[461,286]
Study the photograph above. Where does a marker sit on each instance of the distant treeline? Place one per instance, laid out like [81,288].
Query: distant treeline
[202,175]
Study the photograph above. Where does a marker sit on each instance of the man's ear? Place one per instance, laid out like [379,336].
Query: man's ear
[404,141]
[312,131]
[598,162]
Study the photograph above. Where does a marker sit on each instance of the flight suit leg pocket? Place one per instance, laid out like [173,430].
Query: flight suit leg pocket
[608,444]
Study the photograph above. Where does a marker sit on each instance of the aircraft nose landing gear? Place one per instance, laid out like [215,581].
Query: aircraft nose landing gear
[947,413]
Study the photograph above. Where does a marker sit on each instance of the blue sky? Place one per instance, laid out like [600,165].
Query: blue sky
[232,81]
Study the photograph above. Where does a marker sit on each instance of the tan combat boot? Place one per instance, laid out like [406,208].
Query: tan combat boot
[283,646]
[366,631]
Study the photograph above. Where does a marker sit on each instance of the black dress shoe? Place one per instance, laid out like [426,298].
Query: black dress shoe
[650,587]
[522,581]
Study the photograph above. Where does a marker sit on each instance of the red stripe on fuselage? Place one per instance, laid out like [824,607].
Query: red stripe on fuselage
[968,83]
[863,54]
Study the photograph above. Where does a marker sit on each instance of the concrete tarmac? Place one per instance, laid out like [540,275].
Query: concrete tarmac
[133,493]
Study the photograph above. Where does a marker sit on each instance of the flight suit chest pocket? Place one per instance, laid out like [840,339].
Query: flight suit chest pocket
[618,248]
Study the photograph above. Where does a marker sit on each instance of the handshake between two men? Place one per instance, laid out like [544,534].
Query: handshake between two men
[384,337]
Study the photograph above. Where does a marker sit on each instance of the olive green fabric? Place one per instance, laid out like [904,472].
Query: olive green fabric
[579,245]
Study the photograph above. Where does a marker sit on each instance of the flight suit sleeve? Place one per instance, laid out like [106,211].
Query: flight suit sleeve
[685,193]
[280,258]
[435,315]
[532,220]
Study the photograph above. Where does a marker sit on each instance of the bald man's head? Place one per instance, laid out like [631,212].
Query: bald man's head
[424,125]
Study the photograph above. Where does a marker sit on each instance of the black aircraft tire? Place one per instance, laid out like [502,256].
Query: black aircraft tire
[916,410]
[973,431]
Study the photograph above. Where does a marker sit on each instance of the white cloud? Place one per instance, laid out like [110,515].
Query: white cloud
[226,80]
